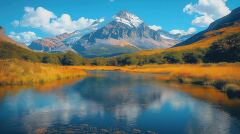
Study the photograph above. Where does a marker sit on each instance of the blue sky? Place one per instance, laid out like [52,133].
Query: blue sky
[178,15]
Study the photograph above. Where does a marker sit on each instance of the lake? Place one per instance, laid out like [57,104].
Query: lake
[118,102]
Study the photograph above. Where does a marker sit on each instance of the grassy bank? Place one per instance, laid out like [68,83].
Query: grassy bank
[223,76]
[16,72]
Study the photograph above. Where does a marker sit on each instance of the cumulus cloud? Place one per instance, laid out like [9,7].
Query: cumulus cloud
[156,28]
[191,30]
[207,11]
[202,21]
[24,37]
[47,21]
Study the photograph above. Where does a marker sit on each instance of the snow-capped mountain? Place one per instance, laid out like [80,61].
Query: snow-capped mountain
[167,35]
[62,42]
[55,44]
[125,33]
[128,19]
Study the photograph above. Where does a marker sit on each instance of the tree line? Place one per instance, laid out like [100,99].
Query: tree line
[224,50]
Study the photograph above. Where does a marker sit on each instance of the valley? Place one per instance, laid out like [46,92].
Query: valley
[120,75]
[179,63]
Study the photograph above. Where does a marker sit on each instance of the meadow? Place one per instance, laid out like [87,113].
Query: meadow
[18,72]
[201,63]
[223,76]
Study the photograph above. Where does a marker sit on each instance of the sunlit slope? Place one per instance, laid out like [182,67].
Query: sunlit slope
[5,38]
[211,37]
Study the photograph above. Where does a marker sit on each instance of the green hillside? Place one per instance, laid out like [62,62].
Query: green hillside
[223,50]
[226,49]
[10,50]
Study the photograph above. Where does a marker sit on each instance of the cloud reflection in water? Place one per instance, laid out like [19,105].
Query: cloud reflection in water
[116,100]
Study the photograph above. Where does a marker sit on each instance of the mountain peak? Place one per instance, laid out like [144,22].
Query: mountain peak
[123,13]
[128,18]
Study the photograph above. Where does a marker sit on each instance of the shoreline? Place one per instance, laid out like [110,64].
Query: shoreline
[223,76]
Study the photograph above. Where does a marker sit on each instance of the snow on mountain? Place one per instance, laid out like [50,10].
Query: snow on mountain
[126,33]
[155,28]
[166,37]
[128,19]
[63,42]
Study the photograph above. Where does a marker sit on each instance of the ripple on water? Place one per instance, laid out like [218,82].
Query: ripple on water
[85,128]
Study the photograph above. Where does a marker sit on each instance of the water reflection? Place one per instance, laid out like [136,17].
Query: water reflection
[209,94]
[119,100]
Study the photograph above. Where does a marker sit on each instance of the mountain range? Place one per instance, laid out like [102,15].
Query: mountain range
[114,38]
[126,33]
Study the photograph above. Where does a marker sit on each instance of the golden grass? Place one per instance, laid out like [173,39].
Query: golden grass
[211,37]
[16,72]
[211,72]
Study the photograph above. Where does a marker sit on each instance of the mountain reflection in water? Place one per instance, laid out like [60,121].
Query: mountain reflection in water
[118,101]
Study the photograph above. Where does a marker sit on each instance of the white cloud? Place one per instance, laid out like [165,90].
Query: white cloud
[24,37]
[36,18]
[156,28]
[207,11]
[202,21]
[47,21]
[191,30]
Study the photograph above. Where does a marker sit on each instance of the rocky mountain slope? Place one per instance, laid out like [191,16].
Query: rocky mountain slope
[126,33]
[54,44]
[62,42]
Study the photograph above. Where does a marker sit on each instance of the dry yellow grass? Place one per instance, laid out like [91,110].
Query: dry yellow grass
[5,38]
[16,72]
[224,71]
[212,36]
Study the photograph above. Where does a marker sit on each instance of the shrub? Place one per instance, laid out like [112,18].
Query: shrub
[47,59]
[199,81]
[224,50]
[67,60]
[70,58]
[232,90]
[184,80]
[190,58]
[232,87]
[219,84]
[171,58]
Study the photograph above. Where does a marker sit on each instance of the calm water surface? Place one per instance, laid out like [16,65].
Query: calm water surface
[115,101]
